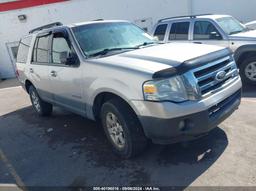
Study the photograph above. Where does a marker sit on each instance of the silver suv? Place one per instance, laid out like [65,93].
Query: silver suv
[140,90]
[222,30]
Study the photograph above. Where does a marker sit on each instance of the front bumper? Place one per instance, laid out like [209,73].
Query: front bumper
[195,122]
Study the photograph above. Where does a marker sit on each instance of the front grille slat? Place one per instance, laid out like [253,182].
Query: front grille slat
[213,73]
[206,75]
[201,73]
[213,83]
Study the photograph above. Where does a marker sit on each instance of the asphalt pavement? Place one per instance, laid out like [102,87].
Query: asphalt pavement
[66,150]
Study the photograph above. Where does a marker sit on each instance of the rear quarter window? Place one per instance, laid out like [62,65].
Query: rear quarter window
[23,50]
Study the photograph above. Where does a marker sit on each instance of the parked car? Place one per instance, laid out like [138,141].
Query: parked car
[140,90]
[222,30]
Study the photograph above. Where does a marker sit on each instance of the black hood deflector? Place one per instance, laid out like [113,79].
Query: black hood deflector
[191,64]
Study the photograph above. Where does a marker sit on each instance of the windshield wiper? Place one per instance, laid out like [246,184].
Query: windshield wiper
[107,50]
[147,43]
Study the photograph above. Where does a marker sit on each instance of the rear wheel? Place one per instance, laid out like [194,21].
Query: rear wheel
[122,128]
[248,70]
[41,107]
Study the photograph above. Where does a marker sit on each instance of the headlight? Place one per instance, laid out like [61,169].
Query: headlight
[171,89]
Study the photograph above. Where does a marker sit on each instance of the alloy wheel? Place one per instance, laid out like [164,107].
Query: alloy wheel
[115,130]
[250,71]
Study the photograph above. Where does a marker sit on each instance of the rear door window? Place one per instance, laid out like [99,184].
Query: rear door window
[41,50]
[23,50]
[179,31]
[160,31]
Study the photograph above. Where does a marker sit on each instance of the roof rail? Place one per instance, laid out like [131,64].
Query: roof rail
[98,20]
[46,27]
[185,16]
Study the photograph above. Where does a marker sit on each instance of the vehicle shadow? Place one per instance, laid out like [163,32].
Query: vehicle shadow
[249,91]
[71,151]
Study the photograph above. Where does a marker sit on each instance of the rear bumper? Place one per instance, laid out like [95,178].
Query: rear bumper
[189,127]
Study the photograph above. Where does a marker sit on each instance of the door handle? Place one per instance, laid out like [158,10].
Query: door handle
[53,73]
[31,70]
[198,43]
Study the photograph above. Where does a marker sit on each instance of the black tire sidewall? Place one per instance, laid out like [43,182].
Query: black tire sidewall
[32,89]
[243,66]
[127,150]
[45,108]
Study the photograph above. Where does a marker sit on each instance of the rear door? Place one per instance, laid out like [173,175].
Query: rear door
[65,80]
[179,31]
[206,32]
[39,67]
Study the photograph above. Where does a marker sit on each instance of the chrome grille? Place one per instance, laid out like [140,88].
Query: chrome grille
[206,75]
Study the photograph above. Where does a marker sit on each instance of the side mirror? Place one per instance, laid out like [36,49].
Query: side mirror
[68,58]
[215,36]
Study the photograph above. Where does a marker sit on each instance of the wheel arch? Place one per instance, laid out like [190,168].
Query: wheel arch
[244,52]
[103,97]
[28,83]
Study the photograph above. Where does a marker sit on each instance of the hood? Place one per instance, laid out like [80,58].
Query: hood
[159,57]
[249,35]
[251,24]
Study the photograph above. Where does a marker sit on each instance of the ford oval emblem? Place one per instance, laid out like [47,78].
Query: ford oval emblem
[220,76]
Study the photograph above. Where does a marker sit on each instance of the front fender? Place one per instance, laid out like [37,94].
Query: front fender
[114,86]
[244,49]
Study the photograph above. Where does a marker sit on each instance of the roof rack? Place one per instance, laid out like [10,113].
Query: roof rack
[98,20]
[185,16]
[46,27]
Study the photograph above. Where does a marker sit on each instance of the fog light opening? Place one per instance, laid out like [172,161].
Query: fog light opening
[185,125]
[182,125]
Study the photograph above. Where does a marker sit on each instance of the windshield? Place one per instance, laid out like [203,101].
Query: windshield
[230,25]
[94,38]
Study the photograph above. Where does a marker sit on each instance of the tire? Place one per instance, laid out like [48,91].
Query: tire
[41,107]
[133,140]
[246,66]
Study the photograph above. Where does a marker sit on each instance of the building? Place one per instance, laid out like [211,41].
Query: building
[19,17]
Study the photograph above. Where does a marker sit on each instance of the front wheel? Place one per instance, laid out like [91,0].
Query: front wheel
[41,107]
[248,70]
[122,128]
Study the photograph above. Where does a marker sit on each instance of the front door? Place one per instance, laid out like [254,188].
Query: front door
[65,80]
[205,32]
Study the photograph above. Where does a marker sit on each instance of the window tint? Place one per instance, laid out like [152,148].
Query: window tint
[204,30]
[59,46]
[23,50]
[179,31]
[160,32]
[41,50]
